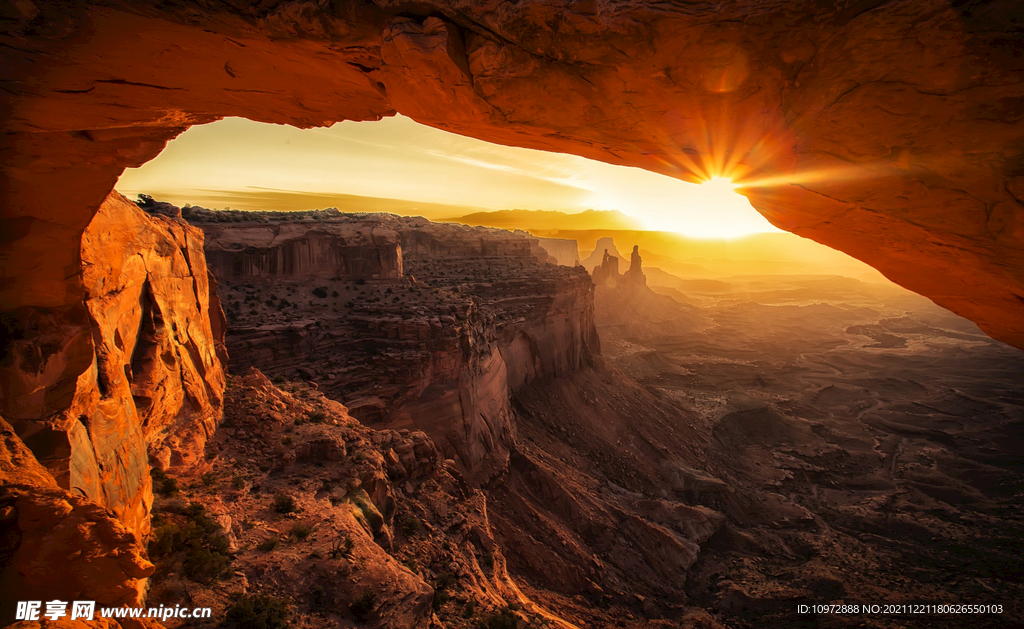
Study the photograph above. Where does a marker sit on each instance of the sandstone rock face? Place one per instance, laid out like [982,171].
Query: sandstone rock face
[58,545]
[565,252]
[479,315]
[349,251]
[635,273]
[888,131]
[130,376]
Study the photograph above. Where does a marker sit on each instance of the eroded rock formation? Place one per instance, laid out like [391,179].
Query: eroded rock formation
[605,245]
[480,314]
[889,131]
[98,390]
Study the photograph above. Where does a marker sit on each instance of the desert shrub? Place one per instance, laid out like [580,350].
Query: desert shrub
[162,483]
[342,547]
[237,482]
[320,291]
[444,583]
[204,566]
[267,545]
[318,597]
[163,541]
[208,479]
[334,293]
[362,607]
[200,538]
[287,440]
[317,416]
[257,612]
[470,609]
[278,379]
[283,503]
[301,531]
[361,281]
[411,526]
[412,564]
[504,619]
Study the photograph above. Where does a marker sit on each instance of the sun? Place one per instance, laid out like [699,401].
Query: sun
[719,185]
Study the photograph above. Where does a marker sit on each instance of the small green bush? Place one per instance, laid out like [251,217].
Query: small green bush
[257,612]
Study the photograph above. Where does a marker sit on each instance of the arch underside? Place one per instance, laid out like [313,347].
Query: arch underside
[890,131]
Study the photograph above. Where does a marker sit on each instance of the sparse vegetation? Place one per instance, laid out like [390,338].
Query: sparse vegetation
[320,291]
[411,526]
[342,547]
[257,612]
[267,545]
[283,503]
[504,619]
[362,607]
[162,483]
[200,538]
[301,531]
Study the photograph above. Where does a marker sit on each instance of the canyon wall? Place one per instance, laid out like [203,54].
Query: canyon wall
[304,250]
[131,375]
[479,313]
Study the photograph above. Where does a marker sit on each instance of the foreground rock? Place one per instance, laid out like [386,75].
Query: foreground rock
[61,546]
[343,522]
[131,374]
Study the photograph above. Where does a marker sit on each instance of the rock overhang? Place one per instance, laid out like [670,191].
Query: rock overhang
[889,131]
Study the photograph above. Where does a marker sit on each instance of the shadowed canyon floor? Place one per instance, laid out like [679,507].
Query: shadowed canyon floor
[873,441]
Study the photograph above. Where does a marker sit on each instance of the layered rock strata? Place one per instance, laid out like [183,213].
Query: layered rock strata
[132,374]
[478,314]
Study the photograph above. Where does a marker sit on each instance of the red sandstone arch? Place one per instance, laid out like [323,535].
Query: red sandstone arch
[893,131]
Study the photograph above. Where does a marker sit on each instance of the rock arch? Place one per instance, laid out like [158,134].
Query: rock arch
[894,131]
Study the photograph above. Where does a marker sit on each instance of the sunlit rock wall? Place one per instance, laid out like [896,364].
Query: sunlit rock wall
[132,375]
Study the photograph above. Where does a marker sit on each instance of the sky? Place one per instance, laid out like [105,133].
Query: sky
[249,165]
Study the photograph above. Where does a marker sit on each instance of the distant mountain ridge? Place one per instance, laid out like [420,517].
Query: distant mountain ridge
[550,220]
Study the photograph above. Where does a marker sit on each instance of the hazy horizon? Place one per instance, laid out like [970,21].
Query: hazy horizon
[240,164]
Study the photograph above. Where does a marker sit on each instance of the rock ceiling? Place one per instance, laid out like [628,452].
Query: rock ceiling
[889,130]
